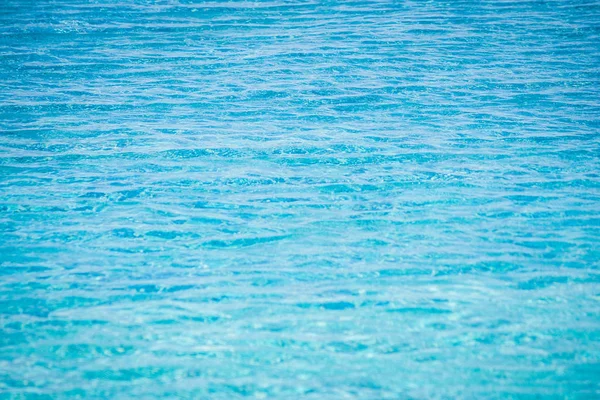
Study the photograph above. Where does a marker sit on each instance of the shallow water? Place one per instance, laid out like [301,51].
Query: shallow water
[369,199]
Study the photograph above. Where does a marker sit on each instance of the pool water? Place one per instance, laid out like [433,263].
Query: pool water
[299,199]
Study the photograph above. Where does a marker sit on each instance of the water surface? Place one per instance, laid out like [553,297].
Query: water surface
[307,199]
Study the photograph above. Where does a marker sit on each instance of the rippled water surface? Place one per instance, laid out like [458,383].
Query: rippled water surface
[277,199]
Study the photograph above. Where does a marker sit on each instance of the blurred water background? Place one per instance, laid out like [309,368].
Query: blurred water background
[299,199]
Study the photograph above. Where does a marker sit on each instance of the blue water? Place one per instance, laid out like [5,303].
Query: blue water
[308,199]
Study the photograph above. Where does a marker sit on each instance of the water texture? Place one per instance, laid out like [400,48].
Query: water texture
[299,199]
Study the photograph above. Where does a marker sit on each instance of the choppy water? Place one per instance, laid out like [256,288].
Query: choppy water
[359,199]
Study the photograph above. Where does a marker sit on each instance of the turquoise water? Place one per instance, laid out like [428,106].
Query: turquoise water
[321,200]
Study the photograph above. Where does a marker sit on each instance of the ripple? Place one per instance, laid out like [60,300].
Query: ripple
[299,199]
